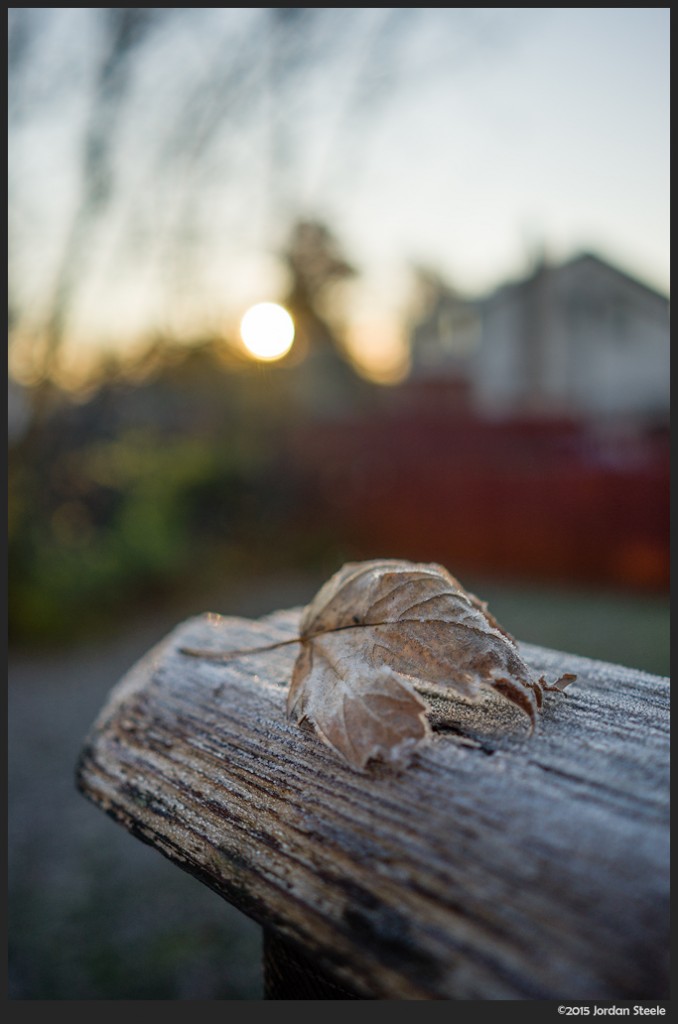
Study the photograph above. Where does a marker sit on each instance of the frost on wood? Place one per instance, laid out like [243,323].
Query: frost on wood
[375,632]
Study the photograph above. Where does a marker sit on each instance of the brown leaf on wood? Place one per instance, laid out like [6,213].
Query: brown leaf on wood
[377,631]
[378,628]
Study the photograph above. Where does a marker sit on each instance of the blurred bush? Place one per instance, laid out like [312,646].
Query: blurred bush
[147,489]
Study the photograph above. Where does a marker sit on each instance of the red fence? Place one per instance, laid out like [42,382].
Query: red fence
[540,500]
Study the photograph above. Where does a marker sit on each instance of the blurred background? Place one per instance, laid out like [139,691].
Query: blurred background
[295,286]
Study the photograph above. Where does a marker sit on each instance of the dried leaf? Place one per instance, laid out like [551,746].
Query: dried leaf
[375,633]
[378,628]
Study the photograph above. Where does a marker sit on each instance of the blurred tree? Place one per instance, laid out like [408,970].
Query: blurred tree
[188,120]
[325,382]
[316,266]
[125,29]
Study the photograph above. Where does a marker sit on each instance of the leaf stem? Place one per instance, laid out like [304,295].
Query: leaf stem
[197,652]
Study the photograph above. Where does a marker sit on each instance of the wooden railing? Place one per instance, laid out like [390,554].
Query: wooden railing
[498,865]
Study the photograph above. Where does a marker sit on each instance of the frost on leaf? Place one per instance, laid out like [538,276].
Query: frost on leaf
[376,629]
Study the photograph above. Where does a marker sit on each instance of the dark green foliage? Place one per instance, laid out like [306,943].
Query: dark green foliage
[109,509]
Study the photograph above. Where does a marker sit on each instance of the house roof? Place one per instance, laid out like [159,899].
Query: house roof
[581,259]
[625,276]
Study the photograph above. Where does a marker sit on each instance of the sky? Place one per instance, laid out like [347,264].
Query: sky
[466,140]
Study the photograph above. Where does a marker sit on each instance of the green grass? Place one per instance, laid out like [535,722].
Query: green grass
[623,628]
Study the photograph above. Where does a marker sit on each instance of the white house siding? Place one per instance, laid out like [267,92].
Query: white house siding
[617,334]
[581,338]
[496,370]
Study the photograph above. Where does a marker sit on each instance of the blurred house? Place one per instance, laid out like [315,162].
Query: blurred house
[530,440]
[581,339]
[444,339]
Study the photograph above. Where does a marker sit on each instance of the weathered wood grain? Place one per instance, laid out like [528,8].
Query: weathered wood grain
[499,865]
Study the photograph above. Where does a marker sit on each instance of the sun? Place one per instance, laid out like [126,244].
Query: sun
[267,331]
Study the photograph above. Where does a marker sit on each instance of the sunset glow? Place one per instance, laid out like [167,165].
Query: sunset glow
[378,349]
[267,331]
